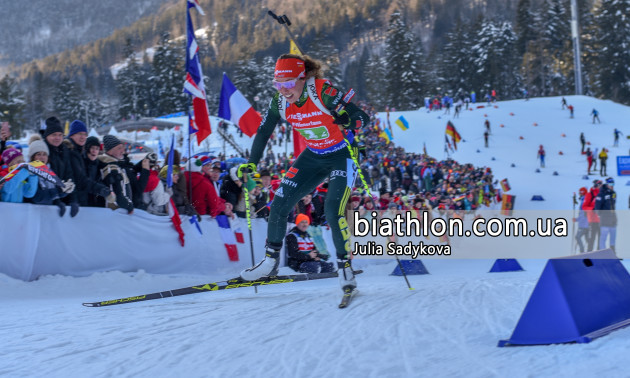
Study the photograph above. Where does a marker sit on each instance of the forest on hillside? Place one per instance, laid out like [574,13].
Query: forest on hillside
[393,54]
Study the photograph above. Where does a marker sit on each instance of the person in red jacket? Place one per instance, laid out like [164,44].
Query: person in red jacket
[204,198]
[591,215]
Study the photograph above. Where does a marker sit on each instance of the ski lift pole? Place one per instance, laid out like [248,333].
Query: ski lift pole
[284,21]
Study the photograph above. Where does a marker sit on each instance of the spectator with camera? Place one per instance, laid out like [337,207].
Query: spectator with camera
[121,176]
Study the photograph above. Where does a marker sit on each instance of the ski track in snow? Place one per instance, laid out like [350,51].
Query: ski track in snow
[447,326]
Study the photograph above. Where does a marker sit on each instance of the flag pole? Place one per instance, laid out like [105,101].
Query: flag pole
[188,162]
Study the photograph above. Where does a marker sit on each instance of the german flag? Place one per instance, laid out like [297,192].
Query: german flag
[450,130]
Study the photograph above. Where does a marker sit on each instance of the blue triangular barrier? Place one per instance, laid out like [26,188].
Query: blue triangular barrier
[478,151]
[513,165]
[537,198]
[628,183]
[506,265]
[411,267]
[585,177]
[577,299]
[555,173]
[537,170]
[493,159]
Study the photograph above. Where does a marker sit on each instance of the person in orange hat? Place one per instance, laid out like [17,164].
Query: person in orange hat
[302,254]
[313,107]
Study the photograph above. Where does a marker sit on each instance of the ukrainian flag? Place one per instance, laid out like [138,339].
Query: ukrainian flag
[385,136]
[402,123]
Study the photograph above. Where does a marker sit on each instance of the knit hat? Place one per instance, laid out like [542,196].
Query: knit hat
[10,154]
[583,191]
[197,162]
[76,127]
[92,141]
[35,145]
[53,125]
[301,218]
[355,198]
[109,142]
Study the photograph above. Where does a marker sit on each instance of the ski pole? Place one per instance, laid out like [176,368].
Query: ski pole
[402,270]
[243,175]
[284,21]
[573,226]
[342,105]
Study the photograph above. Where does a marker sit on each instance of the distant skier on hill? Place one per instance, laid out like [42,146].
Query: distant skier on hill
[617,133]
[589,159]
[571,108]
[564,103]
[595,115]
[541,156]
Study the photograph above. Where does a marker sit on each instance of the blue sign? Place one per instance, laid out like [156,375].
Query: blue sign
[623,165]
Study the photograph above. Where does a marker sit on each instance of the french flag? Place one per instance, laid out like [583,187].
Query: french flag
[194,81]
[228,237]
[234,107]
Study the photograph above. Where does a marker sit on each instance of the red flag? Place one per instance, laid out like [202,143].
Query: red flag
[177,222]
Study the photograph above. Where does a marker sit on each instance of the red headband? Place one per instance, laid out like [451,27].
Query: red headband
[289,68]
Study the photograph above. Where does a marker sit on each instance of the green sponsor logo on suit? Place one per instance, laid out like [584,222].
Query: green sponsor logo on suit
[315,133]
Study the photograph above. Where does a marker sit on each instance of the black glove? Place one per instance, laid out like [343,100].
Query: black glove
[74,209]
[342,118]
[62,207]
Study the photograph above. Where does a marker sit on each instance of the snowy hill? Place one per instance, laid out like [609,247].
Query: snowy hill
[554,130]
[448,327]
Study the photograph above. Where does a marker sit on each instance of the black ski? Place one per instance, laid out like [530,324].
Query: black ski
[348,294]
[234,283]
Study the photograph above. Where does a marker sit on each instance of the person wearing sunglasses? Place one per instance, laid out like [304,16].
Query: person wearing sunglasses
[308,102]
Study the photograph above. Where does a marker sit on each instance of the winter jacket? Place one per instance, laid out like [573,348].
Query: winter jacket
[138,178]
[60,162]
[233,194]
[22,185]
[156,195]
[605,207]
[93,173]
[115,177]
[298,244]
[84,183]
[204,198]
[589,204]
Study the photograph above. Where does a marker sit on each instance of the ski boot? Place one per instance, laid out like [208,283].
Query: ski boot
[346,275]
[268,267]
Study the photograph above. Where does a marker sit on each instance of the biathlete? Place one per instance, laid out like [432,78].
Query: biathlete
[308,103]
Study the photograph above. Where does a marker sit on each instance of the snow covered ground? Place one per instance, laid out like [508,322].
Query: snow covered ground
[448,326]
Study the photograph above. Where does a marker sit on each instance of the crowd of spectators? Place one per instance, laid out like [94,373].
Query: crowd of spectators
[99,173]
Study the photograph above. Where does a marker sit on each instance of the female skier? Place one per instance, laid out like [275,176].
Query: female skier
[308,102]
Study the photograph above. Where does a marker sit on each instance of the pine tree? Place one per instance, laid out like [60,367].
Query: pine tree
[132,85]
[68,100]
[524,26]
[323,49]
[404,85]
[168,78]
[612,78]
[454,65]
[12,105]
[495,60]
[375,81]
